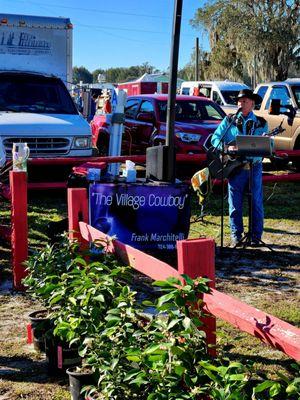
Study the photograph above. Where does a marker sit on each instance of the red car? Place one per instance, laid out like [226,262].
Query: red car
[145,124]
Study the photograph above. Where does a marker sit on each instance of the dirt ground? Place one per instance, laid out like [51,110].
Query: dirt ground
[255,276]
[268,280]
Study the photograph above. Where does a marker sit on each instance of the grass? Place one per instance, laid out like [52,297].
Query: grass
[260,278]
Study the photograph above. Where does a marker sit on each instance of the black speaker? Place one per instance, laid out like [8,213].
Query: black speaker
[158,165]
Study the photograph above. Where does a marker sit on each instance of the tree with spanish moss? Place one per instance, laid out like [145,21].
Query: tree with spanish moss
[248,35]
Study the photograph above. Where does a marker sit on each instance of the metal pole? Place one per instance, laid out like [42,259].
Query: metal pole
[116,132]
[172,89]
[222,200]
[197,60]
[254,72]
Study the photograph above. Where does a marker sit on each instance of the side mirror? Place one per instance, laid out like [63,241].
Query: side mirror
[290,113]
[275,109]
[145,117]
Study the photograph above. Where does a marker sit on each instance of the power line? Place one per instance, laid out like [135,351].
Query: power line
[94,10]
[117,36]
[99,27]
[107,12]
[121,29]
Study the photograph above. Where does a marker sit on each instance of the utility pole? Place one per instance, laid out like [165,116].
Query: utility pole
[172,89]
[254,72]
[197,60]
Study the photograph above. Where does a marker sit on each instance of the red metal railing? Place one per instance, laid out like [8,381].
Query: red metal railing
[195,258]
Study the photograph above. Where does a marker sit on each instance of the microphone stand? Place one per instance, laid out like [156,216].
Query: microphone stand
[222,198]
[221,141]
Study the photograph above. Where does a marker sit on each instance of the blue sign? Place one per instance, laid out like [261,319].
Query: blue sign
[114,100]
[145,216]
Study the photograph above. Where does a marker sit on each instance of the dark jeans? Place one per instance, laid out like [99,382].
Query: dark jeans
[237,187]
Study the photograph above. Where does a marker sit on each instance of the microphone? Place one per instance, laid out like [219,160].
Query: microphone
[236,114]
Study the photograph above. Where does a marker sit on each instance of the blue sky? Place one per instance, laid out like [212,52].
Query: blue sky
[119,33]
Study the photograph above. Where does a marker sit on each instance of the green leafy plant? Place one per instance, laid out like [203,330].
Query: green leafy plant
[45,267]
[285,388]
[83,297]
[150,350]
[164,355]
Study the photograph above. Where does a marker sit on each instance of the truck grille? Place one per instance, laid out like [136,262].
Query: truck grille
[40,147]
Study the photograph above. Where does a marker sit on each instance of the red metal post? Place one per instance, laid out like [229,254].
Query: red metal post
[78,210]
[196,258]
[19,235]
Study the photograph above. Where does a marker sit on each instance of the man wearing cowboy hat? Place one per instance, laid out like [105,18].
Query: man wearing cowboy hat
[244,122]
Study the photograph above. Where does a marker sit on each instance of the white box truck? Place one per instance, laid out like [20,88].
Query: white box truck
[223,93]
[35,104]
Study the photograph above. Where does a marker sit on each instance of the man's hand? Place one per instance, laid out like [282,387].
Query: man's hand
[231,148]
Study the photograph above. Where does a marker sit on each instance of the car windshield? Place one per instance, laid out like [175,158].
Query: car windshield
[230,96]
[296,91]
[192,110]
[34,94]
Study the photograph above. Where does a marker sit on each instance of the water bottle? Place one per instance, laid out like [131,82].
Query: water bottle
[20,154]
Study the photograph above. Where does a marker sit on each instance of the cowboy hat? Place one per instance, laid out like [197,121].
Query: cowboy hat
[250,95]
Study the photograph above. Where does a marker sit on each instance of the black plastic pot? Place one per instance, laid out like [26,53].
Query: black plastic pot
[60,356]
[78,380]
[40,324]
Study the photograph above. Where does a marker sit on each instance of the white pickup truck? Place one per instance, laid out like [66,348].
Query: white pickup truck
[35,104]
[281,103]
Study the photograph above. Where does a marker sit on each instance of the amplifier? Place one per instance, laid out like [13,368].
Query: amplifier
[158,165]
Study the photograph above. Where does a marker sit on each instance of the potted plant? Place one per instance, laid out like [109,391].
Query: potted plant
[83,296]
[80,381]
[44,269]
[160,356]
[76,291]
[39,324]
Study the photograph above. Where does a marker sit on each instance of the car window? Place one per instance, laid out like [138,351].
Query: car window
[192,111]
[185,90]
[212,112]
[147,106]
[230,96]
[131,108]
[296,91]
[205,91]
[281,93]
[38,94]
[216,98]
[261,92]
